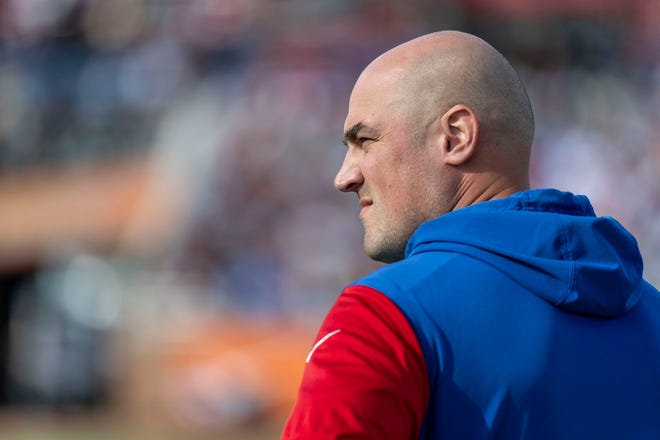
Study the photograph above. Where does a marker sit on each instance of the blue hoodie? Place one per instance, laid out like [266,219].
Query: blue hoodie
[534,321]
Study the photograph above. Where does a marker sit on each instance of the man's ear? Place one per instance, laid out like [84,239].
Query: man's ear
[459,129]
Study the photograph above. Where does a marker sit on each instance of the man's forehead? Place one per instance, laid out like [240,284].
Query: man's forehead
[380,77]
[374,93]
[356,122]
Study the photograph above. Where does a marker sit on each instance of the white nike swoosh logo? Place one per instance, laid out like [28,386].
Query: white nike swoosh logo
[320,341]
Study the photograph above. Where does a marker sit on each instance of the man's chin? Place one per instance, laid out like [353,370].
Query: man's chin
[384,254]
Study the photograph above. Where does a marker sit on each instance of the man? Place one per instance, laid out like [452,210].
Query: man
[506,312]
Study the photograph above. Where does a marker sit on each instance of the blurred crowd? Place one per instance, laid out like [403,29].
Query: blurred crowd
[237,107]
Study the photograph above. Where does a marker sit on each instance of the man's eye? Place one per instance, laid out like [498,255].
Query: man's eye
[365,139]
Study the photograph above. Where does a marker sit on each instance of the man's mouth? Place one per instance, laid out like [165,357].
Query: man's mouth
[365,203]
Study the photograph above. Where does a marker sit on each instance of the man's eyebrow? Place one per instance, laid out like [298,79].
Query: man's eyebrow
[350,135]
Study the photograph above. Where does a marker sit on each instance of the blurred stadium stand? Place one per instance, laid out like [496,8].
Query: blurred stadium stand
[169,235]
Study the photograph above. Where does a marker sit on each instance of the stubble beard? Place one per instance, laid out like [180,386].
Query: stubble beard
[386,241]
[386,245]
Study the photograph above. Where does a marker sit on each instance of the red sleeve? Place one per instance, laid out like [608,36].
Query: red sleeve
[365,376]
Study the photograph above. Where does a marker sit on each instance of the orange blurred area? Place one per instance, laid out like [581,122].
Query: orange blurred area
[95,206]
[223,372]
[215,377]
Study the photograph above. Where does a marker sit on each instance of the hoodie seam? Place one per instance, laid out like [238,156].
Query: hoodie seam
[566,253]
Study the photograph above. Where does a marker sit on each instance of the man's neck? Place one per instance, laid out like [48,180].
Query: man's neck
[487,187]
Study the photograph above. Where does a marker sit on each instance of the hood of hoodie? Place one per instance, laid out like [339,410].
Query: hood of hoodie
[551,243]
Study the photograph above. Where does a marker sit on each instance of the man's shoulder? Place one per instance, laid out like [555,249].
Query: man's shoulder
[415,271]
[431,279]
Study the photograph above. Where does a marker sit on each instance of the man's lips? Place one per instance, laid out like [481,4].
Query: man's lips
[365,203]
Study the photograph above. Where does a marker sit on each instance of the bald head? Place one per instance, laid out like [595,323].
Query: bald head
[432,73]
[433,125]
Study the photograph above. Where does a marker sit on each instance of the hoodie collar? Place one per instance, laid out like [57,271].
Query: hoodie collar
[550,242]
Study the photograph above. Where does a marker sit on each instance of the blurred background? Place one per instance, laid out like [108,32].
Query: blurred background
[169,235]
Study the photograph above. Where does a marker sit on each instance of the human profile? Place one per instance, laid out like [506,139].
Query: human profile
[504,312]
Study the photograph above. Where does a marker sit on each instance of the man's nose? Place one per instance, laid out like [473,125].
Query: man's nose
[349,177]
